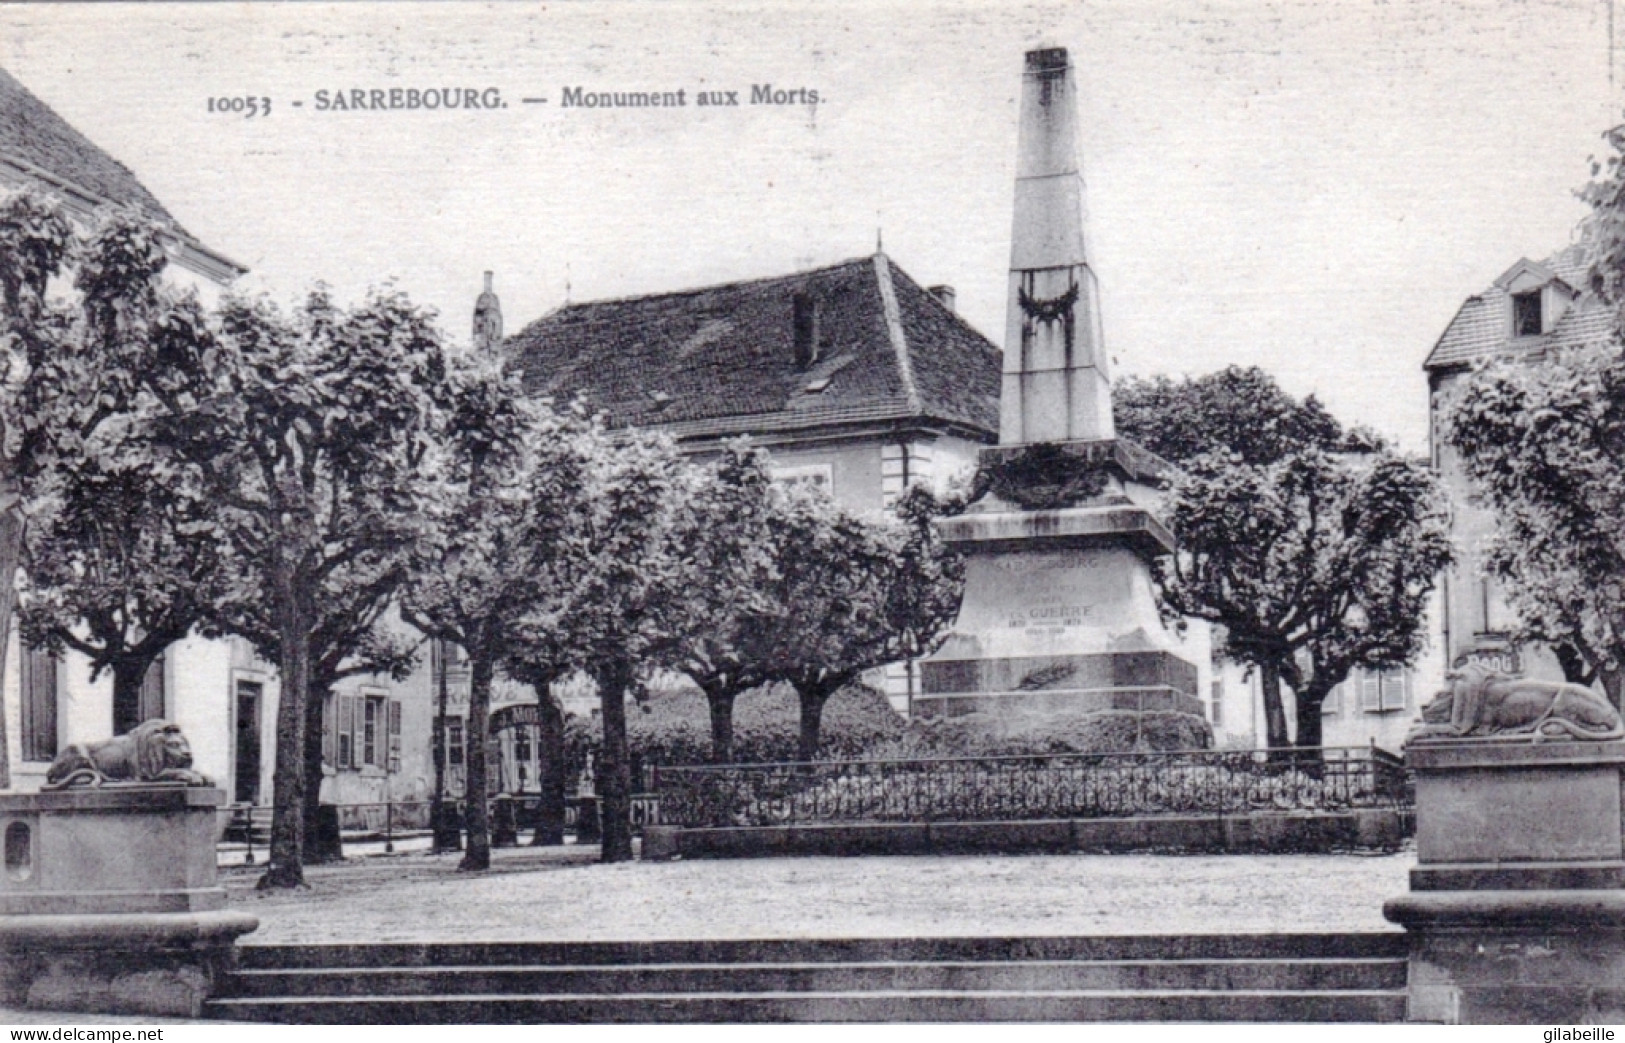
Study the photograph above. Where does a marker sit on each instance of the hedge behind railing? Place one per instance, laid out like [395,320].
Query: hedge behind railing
[971,789]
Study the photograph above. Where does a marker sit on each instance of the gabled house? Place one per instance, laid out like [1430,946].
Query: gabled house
[1533,308]
[853,376]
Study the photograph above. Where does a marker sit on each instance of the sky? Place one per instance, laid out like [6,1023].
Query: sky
[1313,188]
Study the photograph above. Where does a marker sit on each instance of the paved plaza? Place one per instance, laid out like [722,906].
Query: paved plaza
[551,894]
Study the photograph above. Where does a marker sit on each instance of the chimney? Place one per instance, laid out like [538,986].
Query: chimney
[804,324]
[1055,386]
[943,293]
[487,320]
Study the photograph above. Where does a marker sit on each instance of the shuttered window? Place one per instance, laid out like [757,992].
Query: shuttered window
[346,731]
[38,705]
[372,710]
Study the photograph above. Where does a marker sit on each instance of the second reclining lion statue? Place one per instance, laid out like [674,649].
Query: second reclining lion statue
[152,751]
[1481,703]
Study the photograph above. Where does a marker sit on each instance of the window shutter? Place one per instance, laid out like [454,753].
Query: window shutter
[38,677]
[1370,691]
[1393,689]
[1334,700]
[394,735]
[330,732]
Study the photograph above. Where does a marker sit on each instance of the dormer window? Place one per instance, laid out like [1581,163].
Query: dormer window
[1526,314]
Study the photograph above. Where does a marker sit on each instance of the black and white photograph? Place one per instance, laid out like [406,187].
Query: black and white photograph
[745,512]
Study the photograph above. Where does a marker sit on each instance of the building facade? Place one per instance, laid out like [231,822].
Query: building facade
[1533,308]
[224,697]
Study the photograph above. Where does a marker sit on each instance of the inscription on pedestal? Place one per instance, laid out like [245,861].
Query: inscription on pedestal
[1049,619]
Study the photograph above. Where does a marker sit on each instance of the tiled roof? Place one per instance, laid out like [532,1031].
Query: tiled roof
[43,143]
[721,360]
[1482,326]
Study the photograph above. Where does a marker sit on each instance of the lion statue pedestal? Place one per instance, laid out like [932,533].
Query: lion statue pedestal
[109,897]
[1516,911]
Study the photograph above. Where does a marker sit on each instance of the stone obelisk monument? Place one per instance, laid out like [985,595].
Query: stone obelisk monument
[1059,616]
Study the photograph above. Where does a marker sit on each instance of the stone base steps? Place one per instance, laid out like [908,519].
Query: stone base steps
[1275,978]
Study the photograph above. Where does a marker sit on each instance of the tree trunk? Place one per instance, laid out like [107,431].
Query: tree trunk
[614,763]
[1613,684]
[437,800]
[1309,733]
[721,703]
[285,867]
[128,678]
[550,743]
[812,698]
[319,846]
[1575,668]
[481,669]
[1269,681]
[11,552]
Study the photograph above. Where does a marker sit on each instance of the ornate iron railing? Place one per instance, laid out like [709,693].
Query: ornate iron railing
[971,789]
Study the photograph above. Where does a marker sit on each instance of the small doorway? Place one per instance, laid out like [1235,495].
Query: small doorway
[246,784]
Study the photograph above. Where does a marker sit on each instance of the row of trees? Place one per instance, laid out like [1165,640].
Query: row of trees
[291,477]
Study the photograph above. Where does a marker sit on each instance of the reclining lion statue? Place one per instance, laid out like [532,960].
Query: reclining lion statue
[153,751]
[1487,704]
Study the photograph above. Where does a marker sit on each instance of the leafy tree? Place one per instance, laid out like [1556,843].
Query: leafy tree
[513,471]
[1541,442]
[67,365]
[1247,446]
[724,531]
[311,433]
[124,565]
[613,589]
[1314,566]
[1237,410]
[851,594]
[38,361]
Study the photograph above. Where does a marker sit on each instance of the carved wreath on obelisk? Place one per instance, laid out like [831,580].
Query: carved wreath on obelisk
[1481,703]
[1053,309]
[153,751]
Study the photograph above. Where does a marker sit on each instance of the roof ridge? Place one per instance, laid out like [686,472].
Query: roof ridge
[708,288]
[894,330]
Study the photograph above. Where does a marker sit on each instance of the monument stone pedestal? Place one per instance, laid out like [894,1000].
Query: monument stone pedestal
[110,900]
[1516,912]
[1059,616]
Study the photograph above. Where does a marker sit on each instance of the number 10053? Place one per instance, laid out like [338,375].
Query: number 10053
[246,107]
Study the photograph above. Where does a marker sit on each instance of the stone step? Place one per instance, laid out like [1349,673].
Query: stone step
[879,1006]
[1389,944]
[784,977]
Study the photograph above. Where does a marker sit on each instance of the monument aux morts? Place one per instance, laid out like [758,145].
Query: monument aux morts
[1059,616]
